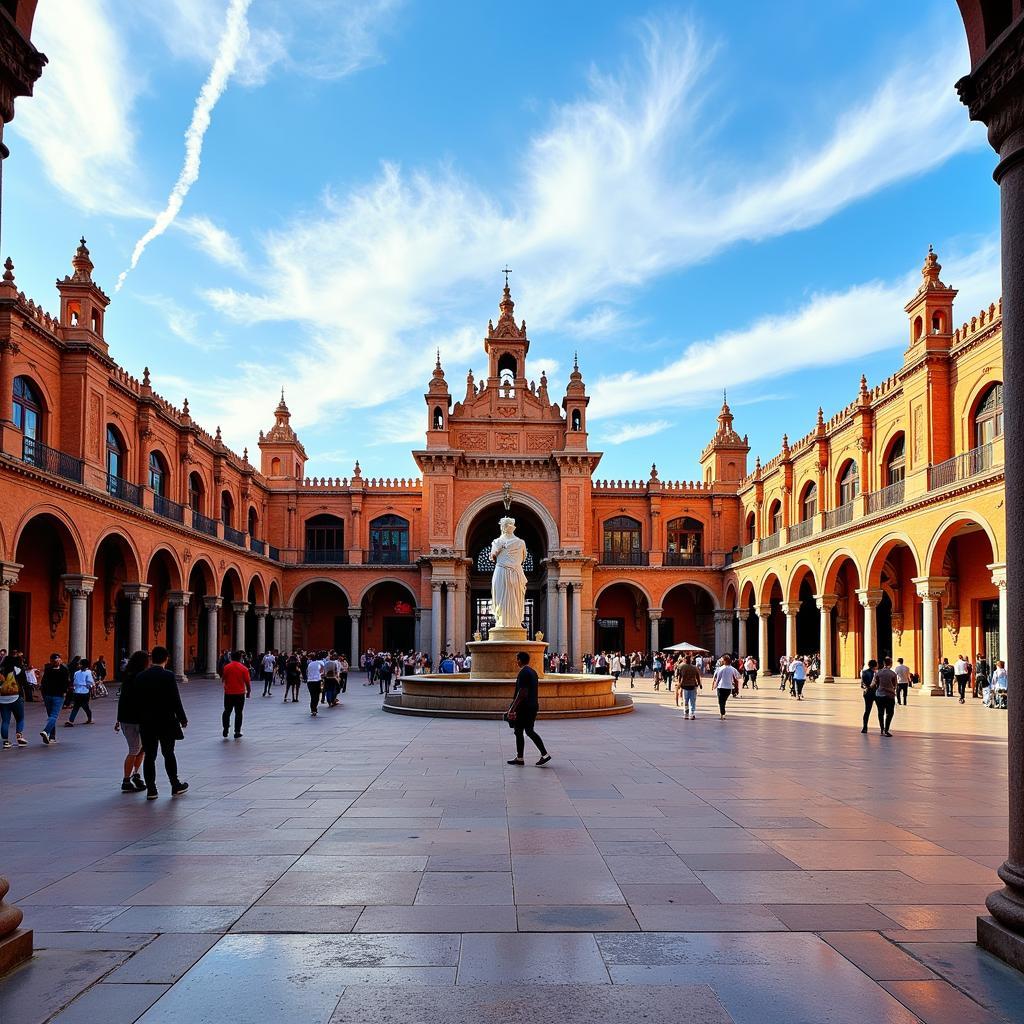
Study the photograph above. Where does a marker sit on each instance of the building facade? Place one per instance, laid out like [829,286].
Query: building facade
[124,523]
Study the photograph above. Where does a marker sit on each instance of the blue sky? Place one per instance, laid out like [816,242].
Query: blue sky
[693,196]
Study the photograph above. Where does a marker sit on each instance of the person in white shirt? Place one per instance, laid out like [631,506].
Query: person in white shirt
[963,674]
[727,680]
[81,686]
[314,673]
[750,671]
[999,685]
[798,672]
[269,661]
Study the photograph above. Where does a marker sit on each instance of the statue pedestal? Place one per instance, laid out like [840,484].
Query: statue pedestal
[495,658]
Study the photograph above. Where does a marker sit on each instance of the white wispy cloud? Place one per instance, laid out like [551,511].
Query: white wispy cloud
[219,244]
[626,432]
[621,187]
[183,322]
[232,43]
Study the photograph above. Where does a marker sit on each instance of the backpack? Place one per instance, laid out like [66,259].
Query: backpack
[9,687]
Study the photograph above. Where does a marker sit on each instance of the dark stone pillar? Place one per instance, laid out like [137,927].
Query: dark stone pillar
[994,95]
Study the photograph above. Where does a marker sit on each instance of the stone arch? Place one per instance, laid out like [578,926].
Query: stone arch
[477,506]
[833,567]
[796,577]
[941,538]
[132,561]
[405,584]
[979,390]
[716,604]
[876,560]
[748,594]
[317,579]
[628,583]
[274,594]
[258,587]
[74,558]
[731,595]
[232,576]
[205,566]
[767,585]
[165,549]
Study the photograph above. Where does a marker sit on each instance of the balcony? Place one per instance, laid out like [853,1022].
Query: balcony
[886,497]
[324,556]
[274,554]
[168,509]
[118,487]
[801,531]
[386,556]
[258,546]
[684,558]
[233,536]
[624,558]
[771,542]
[51,460]
[204,524]
[747,551]
[839,516]
[961,467]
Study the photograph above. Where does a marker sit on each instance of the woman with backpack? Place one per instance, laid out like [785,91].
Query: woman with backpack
[12,701]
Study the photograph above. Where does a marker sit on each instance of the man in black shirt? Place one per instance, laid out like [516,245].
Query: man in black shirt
[54,684]
[522,712]
[162,719]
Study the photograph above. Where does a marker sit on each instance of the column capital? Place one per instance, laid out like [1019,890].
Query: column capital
[764,610]
[354,613]
[435,586]
[743,614]
[563,586]
[790,608]
[654,614]
[998,570]
[239,607]
[9,572]
[870,597]
[136,591]
[178,597]
[826,602]
[930,588]
[725,614]
[261,610]
[211,604]
[78,585]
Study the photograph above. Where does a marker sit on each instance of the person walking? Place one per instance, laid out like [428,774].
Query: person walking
[52,687]
[727,682]
[292,678]
[81,686]
[999,685]
[885,695]
[331,679]
[904,677]
[314,675]
[268,673]
[522,712]
[867,686]
[798,673]
[162,721]
[962,674]
[129,714]
[688,679]
[947,674]
[12,701]
[237,690]
[981,674]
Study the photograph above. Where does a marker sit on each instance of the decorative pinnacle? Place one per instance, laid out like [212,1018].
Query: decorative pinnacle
[9,270]
[245,454]
[507,270]
[145,376]
[184,407]
[575,360]
[217,437]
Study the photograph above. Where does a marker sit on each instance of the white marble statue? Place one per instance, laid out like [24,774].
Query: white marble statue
[508,584]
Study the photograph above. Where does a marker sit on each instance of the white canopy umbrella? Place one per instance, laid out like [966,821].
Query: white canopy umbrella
[684,646]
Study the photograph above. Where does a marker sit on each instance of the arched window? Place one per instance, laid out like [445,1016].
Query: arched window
[254,521]
[622,541]
[577,420]
[275,466]
[809,502]
[775,516]
[685,541]
[918,328]
[849,483]
[389,540]
[195,492]
[938,323]
[227,509]
[988,417]
[325,539]
[486,566]
[28,409]
[751,530]
[157,474]
[438,418]
[115,454]
[507,368]
[896,463]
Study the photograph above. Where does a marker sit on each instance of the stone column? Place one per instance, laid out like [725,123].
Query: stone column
[261,627]
[654,614]
[435,623]
[742,614]
[418,634]
[999,580]
[288,629]
[563,616]
[354,615]
[791,609]
[576,650]
[723,631]
[178,601]
[930,589]
[551,627]
[78,589]
[449,615]
[870,599]
[135,594]
[825,603]
[8,577]
[238,636]
[212,606]
[764,612]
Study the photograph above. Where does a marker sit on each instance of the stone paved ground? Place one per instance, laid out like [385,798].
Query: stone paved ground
[778,866]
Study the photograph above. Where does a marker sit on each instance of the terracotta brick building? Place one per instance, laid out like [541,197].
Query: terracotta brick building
[126,523]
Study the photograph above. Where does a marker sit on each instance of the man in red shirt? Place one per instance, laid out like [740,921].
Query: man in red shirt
[237,687]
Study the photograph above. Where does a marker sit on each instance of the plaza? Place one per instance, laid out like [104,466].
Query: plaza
[777,866]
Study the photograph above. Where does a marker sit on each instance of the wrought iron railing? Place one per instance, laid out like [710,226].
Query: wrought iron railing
[233,536]
[886,497]
[960,467]
[684,558]
[771,542]
[258,546]
[801,531]
[624,558]
[747,550]
[118,487]
[386,556]
[839,516]
[273,553]
[204,524]
[324,556]
[168,509]
[52,460]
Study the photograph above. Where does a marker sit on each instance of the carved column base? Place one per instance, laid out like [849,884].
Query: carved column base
[1002,934]
[15,942]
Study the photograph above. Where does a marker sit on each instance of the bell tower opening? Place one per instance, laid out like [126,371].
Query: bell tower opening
[508,367]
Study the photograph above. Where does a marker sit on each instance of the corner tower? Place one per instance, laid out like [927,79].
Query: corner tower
[282,457]
[724,460]
[506,346]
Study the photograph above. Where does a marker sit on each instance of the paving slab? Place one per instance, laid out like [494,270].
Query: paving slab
[531,958]
[111,1004]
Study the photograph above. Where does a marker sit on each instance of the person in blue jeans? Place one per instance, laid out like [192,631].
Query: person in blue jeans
[12,701]
[53,686]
